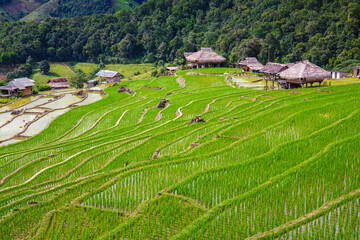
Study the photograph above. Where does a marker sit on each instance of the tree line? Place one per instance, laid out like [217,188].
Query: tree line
[325,32]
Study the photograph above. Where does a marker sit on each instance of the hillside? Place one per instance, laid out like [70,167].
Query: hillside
[325,33]
[12,10]
[264,164]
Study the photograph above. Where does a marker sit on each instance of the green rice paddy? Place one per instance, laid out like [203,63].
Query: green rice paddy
[264,165]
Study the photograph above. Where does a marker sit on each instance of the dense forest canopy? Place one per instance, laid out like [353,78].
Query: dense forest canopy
[324,32]
[70,8]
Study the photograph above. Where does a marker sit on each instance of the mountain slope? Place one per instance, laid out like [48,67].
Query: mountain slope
[12,10]
[326,33]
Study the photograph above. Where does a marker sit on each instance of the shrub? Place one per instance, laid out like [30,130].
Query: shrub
[43,87]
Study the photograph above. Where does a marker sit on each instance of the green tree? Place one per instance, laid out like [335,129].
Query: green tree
[271,44]
[44,67]
[162,51]
[79,79]
[30,61]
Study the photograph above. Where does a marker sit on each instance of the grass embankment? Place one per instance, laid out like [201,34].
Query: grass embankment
[56,70]
[130,71]
[119,5]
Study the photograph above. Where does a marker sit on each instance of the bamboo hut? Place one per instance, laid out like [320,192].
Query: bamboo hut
[203,58]
[58,83]
[303,73]
[15,86]
[273,68]
[251,64]
[110,76]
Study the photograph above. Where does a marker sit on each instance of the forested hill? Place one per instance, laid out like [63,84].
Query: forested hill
[324,32]
[13,10]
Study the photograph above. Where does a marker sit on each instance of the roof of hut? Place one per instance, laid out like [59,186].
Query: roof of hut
[205,55]
[59,82]
[172,68]
[93,81]
[108,74]
[62,79]
[306,71]
[273,68]
[185,55]
[252,63]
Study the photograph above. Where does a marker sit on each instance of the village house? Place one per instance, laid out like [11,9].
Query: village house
[338,74]
[251,64]
[110,76]
[58,83]
[301,74]
[24,85]
[204,58]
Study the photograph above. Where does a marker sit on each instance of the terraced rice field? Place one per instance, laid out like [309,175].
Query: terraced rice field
[264,165]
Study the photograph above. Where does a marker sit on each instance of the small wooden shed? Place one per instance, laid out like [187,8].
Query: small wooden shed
[338,74]
[58,83]
[92,83]
[203,58]
[110,76]
[251,64]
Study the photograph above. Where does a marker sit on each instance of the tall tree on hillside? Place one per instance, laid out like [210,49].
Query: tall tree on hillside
[271,44]
[249,48]
[30,61]
[162,51]
[44,67]
[79,79]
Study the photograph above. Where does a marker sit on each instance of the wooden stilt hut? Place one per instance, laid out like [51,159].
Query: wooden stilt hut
[251,64]
[303,73]
[272,70]
[205,57]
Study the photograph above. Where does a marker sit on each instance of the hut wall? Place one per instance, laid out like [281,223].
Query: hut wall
[27,91]
[112,80]
[338,74]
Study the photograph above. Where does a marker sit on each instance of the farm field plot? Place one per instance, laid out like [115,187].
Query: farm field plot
[262,165]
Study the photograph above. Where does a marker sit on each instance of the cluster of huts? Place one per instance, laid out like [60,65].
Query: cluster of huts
[25,85]
[298,74]
[288,75]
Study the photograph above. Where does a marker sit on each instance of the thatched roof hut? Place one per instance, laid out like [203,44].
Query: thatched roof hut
[273,68]
[251,64]
[57,83]
[15,86]
[185,55]
[304,72]
[205,56]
